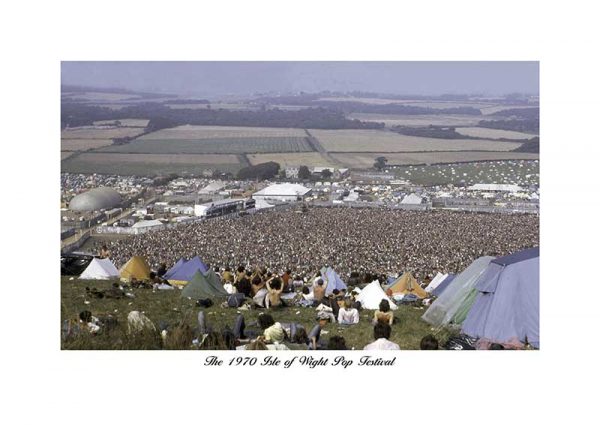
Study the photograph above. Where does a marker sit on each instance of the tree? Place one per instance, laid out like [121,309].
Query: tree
[304,172]
[380,162]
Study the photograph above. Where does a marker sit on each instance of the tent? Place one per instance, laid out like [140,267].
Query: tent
[507,307]
[184,273]
[137,268]
[371,295]
[100,269]
[443,285]
[173,269]
[456,300]
[333,280]
[199,288]
[407,284]
[214,280]
[439,278]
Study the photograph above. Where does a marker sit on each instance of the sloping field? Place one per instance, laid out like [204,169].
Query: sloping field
[493,109]
[219,140]
[125,122]
[97,96]
[491,133]
[391,120]
[366,160]
[83,144]
[310,159]
[386,141]
[65,155]
[99,133]
[148,164]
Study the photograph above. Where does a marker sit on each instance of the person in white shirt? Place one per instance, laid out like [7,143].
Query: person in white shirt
[348,315]
[381,334]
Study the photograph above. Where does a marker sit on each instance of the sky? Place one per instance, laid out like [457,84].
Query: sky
[246,78]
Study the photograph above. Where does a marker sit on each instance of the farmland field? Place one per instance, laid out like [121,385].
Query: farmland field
[386,141]
[206,139]
[148,164]
[309,159]
[410,102]
[99,133]
[490,133]
[98,96]
[215,106]
[493,109]
[517,172]
[193,132]
[65,155]
[125,122]
[83,144]
[366,160]
[391,120]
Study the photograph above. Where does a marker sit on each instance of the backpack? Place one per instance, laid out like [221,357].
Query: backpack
[207,302]
[236,300]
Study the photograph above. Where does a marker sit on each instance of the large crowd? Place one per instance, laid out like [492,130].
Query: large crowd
[378,241]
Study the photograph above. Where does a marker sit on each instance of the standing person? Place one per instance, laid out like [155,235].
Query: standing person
[348,315]
[381,334]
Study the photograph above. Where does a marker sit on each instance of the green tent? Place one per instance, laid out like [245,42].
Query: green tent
[200,287]
[214,281]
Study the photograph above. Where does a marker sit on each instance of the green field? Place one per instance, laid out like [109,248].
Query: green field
[168,306]
[148,164]
[501,172]
[234,145]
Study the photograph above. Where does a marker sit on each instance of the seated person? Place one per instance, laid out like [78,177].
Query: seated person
[243,286]
[347,314]
[384,314]
[319,290]
[259,290]
[297,282]
[429,343]
[337,342]
[274,288]
[273,332]
[381,334]
[314,336]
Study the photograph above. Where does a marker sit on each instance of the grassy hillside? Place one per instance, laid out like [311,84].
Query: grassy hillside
[170,307]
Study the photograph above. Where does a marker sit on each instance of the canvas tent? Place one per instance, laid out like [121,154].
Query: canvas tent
[371,295]
[173,269]
[443,285]
[439,278]
[183,273]
[507,307]
[100,269]
[407,284]
[137,268]
[454,303]
[332,279]
[214,281]
[199,288]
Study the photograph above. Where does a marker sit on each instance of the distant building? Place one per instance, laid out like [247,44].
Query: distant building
[291,172]
[495,187]
[223,207]
[285,192]
[212,188]
[101,198]
[412,199]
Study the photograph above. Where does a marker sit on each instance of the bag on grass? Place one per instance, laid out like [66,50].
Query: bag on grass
[235,300]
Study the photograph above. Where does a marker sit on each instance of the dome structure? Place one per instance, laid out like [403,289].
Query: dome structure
[95,199]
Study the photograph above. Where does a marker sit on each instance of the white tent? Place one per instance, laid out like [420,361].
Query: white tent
[371,295]
[100,269]
[439,278]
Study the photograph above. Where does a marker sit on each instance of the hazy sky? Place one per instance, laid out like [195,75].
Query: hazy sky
[242,78]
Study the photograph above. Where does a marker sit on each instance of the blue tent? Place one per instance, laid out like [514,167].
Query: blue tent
[334,280]
[440,288]
[507,307]
[186,270]
[173,269]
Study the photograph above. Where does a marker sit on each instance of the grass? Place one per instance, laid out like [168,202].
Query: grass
[387,141]
[170,307]
[147,164]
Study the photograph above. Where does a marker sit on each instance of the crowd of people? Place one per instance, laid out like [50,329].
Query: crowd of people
[376,241]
